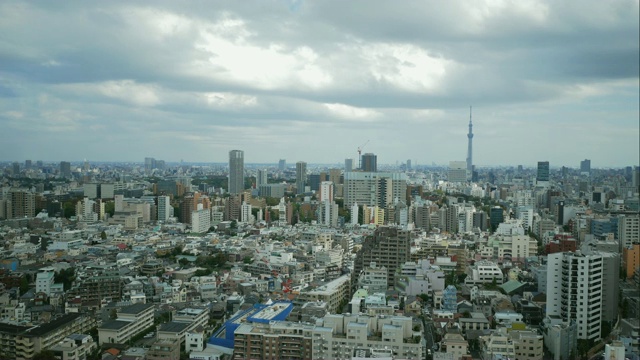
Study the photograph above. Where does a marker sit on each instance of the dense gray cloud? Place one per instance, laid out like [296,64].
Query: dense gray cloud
[311,81]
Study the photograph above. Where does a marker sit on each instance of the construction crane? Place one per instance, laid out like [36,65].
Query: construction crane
[360,154]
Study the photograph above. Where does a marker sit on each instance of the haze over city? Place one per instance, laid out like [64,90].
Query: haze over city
[119,81]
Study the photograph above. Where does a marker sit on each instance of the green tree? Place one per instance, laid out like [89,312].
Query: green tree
[110,208]
[24,285]
[69,209]
[44,355]
[583,347]
[103,235]
[66,277]
[203,272]
[183,262]
[271,201]
[424,297]
[113,314]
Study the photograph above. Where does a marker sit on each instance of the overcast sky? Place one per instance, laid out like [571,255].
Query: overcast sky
[311,81]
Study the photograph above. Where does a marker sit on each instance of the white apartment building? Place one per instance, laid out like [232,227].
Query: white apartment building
[74,347]
[328,213]
[245,213]
[44,280]
[628,230]
[574,291]
[84,210]
[200,220]
[326,191]
[332,337]
[373,279]
[510,247]
[514,344]
[164,208]
[131,321]
[420,278]
[484,272]
[184,321]
[332,293]
[525,214]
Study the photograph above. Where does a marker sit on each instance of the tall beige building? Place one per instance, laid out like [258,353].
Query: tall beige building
[374,188]
[236,171]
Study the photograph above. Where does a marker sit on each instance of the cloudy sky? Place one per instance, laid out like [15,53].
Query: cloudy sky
[313,80]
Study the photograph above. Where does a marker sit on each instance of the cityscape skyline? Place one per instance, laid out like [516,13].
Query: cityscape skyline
[547,82]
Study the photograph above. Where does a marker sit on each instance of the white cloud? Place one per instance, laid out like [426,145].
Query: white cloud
[350,112]
[229,100]
[293,79]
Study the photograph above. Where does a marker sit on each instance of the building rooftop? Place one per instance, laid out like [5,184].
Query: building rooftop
[135,309]
[175,327]
[114,325]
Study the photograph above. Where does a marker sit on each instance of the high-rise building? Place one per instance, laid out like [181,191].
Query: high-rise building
[354,214]
[15,168]
[457,172]
[348,165]
[543,171]
[301,176]
[164,208]
[236,171]
[496,216]
[326,191]
[369,162]
[388,247]
[23,204]
[585,166]
[282,164]
[327,213]
[261,178]
[314,182]
[374,189]
[470,146]
[409,164]
[149,164]
[65,169]
[628,230]
[574,291]
[334,176]
[200,220]
[28,164]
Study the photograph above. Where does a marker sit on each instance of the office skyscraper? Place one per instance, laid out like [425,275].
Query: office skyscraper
[301,176]
[457,172]
[282,164]
[543,171]
[348,165]
[65,169]
[585,166]
[261,178]
[236,171]
[369,162]
[470,146]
